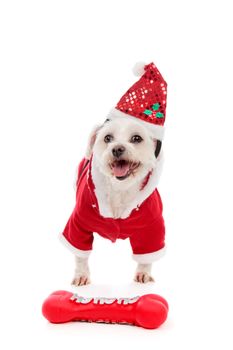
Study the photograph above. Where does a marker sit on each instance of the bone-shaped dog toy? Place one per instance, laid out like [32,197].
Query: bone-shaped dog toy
[148,311]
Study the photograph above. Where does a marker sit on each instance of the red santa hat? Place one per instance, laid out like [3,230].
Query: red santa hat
[145,100]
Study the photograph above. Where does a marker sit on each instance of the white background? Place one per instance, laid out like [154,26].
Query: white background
[63,65]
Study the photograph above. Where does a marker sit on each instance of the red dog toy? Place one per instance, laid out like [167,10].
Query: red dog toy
[148,311]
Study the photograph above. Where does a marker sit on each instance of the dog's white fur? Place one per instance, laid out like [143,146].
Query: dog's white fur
[119,194]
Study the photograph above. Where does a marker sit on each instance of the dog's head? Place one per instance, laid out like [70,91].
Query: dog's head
[124,150]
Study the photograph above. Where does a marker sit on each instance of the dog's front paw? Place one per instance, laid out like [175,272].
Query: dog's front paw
[143,277]
[81,280]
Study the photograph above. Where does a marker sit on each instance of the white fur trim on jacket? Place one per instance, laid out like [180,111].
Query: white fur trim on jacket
[78,252]
[156,130]
[150,257]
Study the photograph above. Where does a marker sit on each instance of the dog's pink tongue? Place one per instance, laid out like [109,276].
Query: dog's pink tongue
[120,170]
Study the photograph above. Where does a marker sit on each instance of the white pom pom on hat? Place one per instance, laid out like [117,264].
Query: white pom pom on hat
[139,68]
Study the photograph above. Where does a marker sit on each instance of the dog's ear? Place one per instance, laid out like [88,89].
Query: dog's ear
[91,140]
[158,146]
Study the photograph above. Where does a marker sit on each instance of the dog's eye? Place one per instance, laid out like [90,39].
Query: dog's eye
[108,138]
[136,139]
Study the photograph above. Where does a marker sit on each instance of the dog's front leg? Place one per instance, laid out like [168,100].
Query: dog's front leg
[143,273]
[82,273]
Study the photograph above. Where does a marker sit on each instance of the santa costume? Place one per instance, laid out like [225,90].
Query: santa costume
[142,222]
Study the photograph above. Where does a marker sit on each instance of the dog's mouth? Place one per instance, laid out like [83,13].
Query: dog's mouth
[123,168]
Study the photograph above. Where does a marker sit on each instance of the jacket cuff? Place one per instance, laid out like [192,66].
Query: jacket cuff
[149,257]
[78,252]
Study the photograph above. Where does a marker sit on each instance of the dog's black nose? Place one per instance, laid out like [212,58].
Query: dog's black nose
[118,151]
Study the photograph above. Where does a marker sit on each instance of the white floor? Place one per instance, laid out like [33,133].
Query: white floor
[198,291]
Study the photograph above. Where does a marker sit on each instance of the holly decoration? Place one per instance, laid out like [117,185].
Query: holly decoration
[153,112]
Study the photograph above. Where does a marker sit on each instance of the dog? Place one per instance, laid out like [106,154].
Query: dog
[125,158]
[117,180]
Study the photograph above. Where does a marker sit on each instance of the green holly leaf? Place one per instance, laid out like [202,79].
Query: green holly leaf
[155,106]
[147,112]
[159,115]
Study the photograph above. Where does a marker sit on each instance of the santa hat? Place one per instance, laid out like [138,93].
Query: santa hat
[145,100]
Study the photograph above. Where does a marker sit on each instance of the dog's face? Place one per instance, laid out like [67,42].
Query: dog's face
[124,150]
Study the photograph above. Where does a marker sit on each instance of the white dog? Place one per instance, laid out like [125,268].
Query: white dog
[117,194]
[123,154]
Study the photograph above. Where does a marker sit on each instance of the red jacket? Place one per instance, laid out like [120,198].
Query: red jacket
[144,226]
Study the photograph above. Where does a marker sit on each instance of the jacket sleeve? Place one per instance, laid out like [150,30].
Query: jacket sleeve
[76,239]
[148,244]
